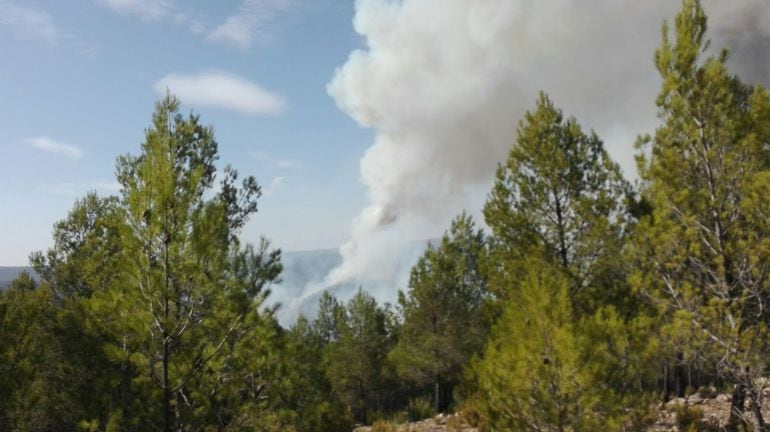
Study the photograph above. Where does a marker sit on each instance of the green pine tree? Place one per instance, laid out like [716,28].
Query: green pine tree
[85,258]
[354,363]
[531,376]
[559,195]
[443,312]
[560,216]
[308,393]
[185,314]
[41,388]
[86,248]
[704,249]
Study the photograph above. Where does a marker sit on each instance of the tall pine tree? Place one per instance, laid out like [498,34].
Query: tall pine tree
[354,362]
[559,217]
[186,314]
[443,312]
[560,196]
[704,251]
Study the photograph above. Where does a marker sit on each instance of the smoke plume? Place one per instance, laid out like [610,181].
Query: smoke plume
[444,84]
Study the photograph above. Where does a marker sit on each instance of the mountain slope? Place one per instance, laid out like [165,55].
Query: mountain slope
[301,281]
[8,274]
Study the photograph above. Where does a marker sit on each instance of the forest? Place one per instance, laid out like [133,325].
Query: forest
[581,303]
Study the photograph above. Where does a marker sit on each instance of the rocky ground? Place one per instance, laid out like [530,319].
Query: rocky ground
[713,410]
[716,411]
[440,423]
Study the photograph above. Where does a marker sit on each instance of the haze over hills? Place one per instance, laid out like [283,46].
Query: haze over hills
[302,269]
[305,272]
[7,274]
[301,281]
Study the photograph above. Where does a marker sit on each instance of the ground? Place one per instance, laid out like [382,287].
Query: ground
[715,412]
[440,423]
[715,408]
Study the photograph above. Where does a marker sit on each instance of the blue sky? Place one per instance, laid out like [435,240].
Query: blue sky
[78,80]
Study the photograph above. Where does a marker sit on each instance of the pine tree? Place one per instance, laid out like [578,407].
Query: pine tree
[86,250]
[150,315]
[185,314]
[40,386]
[544,370]
[704,250]
[308,393]
[531,377]
[354,362]
[559,195]
[327,319]
[85,258]
[443,312]
[560,215]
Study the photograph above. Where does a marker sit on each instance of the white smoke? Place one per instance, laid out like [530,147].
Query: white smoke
[444,84]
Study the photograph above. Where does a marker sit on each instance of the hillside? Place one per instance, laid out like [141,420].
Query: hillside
[7,274]
[303,273]
[303,269]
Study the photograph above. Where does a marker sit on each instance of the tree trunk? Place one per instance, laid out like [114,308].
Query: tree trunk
[736,408]
[166,389]
[166,336]
[680,376]
[756,407]
[561,231]
[438,395]
[361,402]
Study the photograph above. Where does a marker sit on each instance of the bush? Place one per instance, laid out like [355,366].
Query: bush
[420,409]
[471,413]
[399,417]
[690,419]
[327,417]
[687,418]
[383,426]
[375,416]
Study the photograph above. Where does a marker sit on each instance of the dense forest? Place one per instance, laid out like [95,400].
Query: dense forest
[587,302]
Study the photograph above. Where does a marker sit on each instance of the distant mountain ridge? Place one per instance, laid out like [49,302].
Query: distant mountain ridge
[8,274]
[304,273]
[300,269]
[303,270]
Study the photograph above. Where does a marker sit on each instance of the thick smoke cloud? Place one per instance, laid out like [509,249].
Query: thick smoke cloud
[744,27]
[444,83]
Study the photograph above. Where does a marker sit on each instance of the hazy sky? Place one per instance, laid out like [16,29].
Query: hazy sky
[78,80]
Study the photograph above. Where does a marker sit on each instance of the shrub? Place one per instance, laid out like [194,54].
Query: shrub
[328,417]
[420,409]
[690,419]
[399,417]
[687,418]
[383,426]
[471,413]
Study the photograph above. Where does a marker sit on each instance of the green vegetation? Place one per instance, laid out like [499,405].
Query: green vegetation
[702,253]
[560,219]
[586,303]
[443,320]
